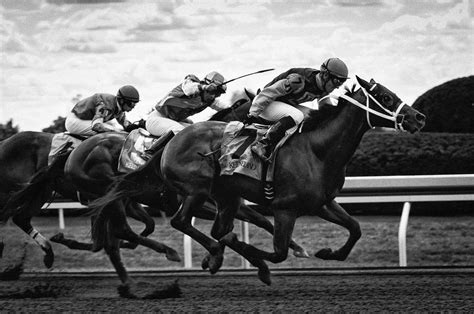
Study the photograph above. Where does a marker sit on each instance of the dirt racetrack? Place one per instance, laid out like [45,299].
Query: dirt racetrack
[291,291]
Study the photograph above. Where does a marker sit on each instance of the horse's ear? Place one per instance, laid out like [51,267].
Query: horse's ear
[249,94]
[363,83]
[372,81]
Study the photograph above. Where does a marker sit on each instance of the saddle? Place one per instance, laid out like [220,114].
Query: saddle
[237,157]
[63,142]
[133,150]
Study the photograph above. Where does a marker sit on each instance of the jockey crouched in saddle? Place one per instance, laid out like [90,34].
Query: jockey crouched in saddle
[96,114]
[277,100]
[192,96]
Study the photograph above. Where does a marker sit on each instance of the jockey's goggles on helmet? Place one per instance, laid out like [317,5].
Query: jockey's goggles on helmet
[337,81]
[129,103]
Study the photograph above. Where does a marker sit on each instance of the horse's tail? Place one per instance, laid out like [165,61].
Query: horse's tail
[30,198]
[138,182]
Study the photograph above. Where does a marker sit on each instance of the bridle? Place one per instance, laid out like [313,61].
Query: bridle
[394,116]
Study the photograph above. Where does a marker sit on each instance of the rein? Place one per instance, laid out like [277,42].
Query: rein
[391,116]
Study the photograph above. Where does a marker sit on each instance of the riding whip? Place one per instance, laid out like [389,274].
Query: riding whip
[239,77]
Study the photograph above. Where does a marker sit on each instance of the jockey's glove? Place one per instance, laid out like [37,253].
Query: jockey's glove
[211,88]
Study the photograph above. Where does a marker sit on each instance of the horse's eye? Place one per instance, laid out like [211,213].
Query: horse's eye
[386,98]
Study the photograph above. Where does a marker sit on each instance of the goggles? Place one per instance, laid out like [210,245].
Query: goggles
[337,81]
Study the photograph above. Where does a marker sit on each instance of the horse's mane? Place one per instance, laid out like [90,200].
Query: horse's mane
[318,118]
[247,96]
[220,114]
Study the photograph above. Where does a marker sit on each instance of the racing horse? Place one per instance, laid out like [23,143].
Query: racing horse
[309,173]
[88,170]
[24,159]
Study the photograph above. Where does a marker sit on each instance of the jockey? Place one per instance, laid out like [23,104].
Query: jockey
[277,100]
[96,113]
[188,98]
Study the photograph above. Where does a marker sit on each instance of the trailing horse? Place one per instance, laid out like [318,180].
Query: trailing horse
[309,173]
[88,171]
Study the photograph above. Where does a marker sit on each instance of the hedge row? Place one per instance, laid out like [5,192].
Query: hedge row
[394,153]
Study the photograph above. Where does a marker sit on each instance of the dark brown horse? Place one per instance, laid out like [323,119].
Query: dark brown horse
[23,159]
[89,170]
[309,173]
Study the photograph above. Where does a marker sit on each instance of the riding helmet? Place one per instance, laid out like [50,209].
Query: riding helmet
[128,92]
[216,78]
[336,67]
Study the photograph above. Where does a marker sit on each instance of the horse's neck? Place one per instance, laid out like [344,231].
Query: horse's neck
[339,138]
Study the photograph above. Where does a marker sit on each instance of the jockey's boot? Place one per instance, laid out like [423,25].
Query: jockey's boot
[264,147]
[160,143]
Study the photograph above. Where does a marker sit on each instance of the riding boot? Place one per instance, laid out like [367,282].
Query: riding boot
[160,143]
[264,147]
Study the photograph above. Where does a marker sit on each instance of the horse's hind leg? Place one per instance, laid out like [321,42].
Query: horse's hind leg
[122,230]
[334,213]
[113,252]
[246,213]
[24,222]
[182,222]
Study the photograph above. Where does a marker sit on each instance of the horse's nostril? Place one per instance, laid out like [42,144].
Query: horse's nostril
[420,117]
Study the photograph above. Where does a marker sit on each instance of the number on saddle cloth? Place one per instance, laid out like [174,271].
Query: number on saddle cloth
[135,144]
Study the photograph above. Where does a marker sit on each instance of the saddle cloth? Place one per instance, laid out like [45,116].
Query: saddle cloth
[59,141]
[133,149]
[237,157]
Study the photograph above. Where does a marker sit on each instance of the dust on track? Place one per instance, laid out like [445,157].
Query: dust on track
[444,289]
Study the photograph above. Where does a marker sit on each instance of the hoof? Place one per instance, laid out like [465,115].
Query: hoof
[172,255]
[264,276]
[325,254]
[48,259]
[124,292]
[215,257]
[58,238]
[302,253]
[215,263]
[205,262]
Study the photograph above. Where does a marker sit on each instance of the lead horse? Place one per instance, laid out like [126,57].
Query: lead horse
[309,173]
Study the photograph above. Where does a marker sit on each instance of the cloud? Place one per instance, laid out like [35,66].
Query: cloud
[456,18]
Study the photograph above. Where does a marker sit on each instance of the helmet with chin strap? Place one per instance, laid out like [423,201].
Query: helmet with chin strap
[335,67]
[128,93]
[216,78]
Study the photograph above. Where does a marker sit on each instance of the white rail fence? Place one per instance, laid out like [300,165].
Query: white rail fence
[374,189]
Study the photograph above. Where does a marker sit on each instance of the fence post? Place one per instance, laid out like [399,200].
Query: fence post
[402,234]
[244,229]
[61,218]
[188,249]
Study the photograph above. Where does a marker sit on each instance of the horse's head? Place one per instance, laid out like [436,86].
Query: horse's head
[241,102]
[385,109]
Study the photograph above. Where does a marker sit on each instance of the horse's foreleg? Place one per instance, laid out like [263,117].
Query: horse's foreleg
[136,211]
[334,213]
[284,224]
[182,222]
[122,230]
[248,214]
[24,222]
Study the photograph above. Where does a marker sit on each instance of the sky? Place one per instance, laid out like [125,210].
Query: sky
[54,52]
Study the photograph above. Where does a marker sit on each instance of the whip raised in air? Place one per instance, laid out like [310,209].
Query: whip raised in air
[239,77]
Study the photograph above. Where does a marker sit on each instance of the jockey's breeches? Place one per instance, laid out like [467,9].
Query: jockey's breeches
[276,110]
[76,125]
[158,125]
